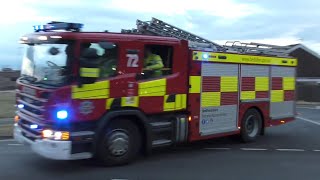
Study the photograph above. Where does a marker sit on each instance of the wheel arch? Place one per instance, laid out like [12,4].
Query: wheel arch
[262,108]
[262,118]
[133,114]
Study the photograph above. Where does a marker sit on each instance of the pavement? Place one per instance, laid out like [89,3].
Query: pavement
[287,152]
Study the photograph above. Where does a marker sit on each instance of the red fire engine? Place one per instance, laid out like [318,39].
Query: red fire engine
[90,94]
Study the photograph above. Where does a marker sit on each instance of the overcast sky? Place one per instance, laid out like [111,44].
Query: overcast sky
[267,21]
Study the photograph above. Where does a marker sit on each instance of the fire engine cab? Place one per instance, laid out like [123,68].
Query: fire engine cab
[113,96]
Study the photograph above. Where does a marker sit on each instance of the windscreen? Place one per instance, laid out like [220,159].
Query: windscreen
[47,63]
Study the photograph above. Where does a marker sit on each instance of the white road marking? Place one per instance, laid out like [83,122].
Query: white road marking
[316,150]
[308,120]
[297,150]
[253,149]
[261,149]
[217,148]
[14,144]
[7,140]
[312,108]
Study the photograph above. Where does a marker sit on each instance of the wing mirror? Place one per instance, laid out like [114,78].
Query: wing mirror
[107,45]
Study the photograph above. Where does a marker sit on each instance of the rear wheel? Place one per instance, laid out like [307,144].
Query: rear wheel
[251,125]
[119,143]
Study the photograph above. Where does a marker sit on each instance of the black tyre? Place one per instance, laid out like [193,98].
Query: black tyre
[119,143]
[251,125]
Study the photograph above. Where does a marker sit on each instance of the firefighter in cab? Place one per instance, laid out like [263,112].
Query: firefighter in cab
[152,63]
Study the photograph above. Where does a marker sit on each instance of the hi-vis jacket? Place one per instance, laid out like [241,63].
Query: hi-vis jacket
[154,62]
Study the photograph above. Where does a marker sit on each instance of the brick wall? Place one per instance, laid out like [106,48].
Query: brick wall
[308,66]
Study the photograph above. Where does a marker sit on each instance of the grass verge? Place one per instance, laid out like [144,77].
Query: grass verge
[7,101]
[6,131]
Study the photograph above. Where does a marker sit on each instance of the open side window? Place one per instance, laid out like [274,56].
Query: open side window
[157,61]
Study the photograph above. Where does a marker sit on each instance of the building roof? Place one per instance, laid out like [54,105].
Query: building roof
[294,47]
[270,49]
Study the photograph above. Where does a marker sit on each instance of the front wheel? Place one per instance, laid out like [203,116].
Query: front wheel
[251,125]
[119,143]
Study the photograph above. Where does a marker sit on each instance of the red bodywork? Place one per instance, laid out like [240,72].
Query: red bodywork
[177,82]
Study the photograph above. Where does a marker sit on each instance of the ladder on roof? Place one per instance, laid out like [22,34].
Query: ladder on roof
[160,28]
[257,48]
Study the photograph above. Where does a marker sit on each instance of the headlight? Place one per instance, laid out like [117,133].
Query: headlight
[55,135]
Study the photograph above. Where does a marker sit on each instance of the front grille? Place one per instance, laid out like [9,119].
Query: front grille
[27,132]
[31,101]
[33,106]
[32,113]
[32,110]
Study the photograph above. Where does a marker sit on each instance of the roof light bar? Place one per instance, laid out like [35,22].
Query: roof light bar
[58,26]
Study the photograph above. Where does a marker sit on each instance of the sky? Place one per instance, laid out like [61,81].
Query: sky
[263,21]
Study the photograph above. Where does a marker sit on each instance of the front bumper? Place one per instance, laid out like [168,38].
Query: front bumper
[57,150]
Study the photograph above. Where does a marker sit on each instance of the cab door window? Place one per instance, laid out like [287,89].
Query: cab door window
[107,58]
[157,61]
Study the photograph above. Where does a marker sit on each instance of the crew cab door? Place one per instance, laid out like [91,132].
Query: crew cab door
[168,91]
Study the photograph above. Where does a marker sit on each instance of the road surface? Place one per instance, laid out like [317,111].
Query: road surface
[287,152]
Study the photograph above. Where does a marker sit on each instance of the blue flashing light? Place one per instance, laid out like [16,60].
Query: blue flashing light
[58,26]
[34,126]
[62,114]
[205,56]
[20,106]
[38,27]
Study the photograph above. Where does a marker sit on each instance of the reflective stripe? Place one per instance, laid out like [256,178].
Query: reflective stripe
[150,84]
[277,95]
[195,84]
[248,95]
[288,83]
[153,88]
[210,99]
[179,103]
[247,59]
[261,83]
[155,91]
[98,90]
[96,94]
[229,84]
[109,103]
[168,106]
[89,72]
[90,87]
[132,101]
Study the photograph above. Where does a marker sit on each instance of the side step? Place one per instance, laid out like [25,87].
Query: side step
[162,133]
[161,126]
[168,130]
[161,142]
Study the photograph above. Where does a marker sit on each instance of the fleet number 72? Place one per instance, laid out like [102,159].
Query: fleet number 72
[133,60]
